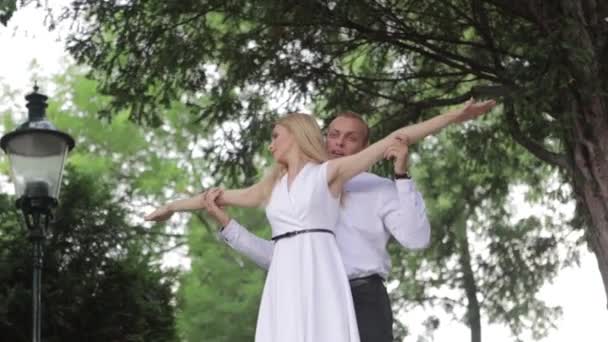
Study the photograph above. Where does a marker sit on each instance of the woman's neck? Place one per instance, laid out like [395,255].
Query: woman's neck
[295,163]
[294,166]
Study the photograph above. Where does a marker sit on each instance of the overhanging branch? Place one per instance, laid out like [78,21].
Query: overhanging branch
[412,109]
[532,146]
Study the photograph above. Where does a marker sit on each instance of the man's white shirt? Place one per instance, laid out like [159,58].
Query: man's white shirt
[373,209]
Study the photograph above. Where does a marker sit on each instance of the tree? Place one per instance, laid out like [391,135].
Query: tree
[482,266]
[99,283]
[546,61]
[145,168]
[7,8]
[219,297]
[103,278]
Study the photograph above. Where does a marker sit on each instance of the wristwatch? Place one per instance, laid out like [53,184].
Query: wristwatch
[404,175]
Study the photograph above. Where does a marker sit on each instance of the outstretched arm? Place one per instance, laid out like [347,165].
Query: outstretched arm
[251,197]
[469,111]
[247,198]
[342,169]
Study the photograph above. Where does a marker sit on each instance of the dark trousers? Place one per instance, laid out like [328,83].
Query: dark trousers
[373,309]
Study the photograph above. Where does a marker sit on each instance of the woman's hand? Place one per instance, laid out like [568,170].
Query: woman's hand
[472,109]
[161,214]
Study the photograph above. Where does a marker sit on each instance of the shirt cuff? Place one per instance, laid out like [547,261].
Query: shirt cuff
[405,186]
[230,231]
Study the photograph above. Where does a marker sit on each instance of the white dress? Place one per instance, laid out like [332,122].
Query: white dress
[306,297]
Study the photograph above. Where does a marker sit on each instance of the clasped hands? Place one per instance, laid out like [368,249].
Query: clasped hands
[209,203]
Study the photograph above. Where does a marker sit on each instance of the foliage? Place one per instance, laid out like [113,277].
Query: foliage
[7,8]
[546,62]
[487,261]
[394,61]
[219,298]
[214,68]
[145,168]
[99,283]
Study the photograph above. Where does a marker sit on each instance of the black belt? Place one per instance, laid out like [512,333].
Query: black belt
[365,280]
[296,232]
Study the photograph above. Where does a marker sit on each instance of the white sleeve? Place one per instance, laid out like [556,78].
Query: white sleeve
[404,214]
[248,244]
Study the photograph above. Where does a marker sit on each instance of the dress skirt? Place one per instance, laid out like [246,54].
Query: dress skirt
[306,297]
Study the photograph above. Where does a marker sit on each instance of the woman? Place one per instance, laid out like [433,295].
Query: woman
[306,296]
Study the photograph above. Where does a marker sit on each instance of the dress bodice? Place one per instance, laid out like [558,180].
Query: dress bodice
[306,204]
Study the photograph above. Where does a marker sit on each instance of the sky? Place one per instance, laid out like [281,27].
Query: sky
[578,289]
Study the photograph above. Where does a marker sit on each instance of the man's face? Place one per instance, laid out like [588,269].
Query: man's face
[345,136]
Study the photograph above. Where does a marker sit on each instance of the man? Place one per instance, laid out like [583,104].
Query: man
[374,208]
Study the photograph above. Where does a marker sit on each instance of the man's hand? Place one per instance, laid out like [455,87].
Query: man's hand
[209,199]
[398,152]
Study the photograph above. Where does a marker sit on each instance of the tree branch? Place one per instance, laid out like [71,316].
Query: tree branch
[143,231]
[162,251]
[427,49]
[533,147]
[483,27]
[412,109]
[515,8]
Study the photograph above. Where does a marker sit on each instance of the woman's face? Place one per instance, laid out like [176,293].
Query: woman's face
[281,143]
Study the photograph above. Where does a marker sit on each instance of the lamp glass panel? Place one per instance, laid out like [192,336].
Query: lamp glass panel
[37,160]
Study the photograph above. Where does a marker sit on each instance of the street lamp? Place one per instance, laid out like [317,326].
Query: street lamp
[37,153]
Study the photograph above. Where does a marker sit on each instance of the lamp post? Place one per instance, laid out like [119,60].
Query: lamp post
[37,153]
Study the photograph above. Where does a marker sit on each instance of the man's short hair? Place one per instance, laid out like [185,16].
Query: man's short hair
[356,116]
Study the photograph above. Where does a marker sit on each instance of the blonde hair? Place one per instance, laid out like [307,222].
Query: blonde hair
[307,135]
